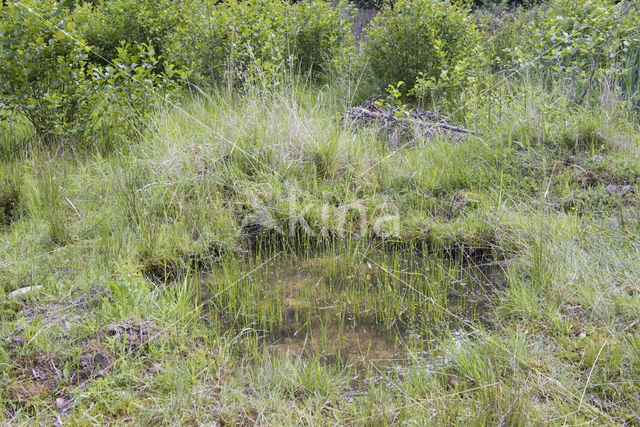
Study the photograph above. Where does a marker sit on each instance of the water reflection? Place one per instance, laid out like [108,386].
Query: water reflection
[355,309]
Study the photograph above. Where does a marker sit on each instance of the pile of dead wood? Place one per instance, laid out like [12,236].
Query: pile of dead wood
[407,123]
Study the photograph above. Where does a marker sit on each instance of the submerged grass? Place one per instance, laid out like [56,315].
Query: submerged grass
[256,259]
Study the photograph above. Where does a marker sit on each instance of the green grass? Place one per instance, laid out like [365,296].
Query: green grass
[513,255]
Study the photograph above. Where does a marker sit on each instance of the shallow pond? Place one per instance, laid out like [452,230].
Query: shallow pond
[356,308]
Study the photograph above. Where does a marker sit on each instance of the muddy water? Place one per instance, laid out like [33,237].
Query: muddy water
[359,310]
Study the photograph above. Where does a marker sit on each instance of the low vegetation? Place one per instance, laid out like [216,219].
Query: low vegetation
[196,228]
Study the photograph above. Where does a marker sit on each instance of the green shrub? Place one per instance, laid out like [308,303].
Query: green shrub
[44,72]
[261,39]
[134,84]
[502,33]
[11,185]
[231,36]
[47,78]
[576,40]
[428,44]
[321,36]
[631,77]
[109,22]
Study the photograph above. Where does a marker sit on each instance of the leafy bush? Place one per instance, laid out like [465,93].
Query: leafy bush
[428,44]
[631,77]
[576,40]
[240,38]
[109,22]
[44,72]
[231,35]
[47,78]
[134,83]
[11,185]
[502,33]
[321,36]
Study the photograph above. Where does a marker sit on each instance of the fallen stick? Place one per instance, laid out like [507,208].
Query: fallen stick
[359,111]
[74,207]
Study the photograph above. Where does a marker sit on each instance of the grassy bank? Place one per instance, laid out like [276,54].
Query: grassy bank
[185,277]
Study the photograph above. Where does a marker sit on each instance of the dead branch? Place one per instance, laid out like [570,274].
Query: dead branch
[363,112]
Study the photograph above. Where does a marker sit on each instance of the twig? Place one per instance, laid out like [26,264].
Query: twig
[359,111]
[634,323]
[74,207]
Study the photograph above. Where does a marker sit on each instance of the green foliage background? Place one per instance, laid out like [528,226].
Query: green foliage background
[67,66]
[430,44]
[572,40]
